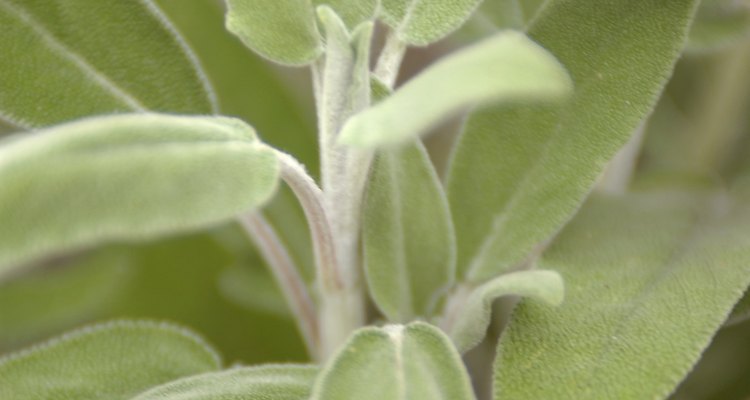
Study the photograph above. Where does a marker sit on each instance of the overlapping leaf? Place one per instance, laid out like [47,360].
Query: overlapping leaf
[352,12]
[110,361]
[507,66]
[272,382]
[409,247]
[126,177]
[65,59]
[469,323]
[423,22]
[649,279]
[283,31]
[539,162]
[412,362]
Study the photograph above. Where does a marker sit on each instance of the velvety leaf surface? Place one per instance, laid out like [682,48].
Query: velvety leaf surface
[283,31]
[352,12]
[409,244]
[649,279]
[396,362]
[65,59]
[506,66]
[719,23]
[109,361]
[420,22]
[539,162]
[274,382]
[59,297]
[469,324]
[126,177]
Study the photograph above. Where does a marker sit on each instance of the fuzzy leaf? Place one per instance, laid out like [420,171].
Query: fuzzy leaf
[409,246]
[619,55]
[472,320]
[109,361]
[283,31]
[273,382]
[412,362]
[420,22]
[719,23]
[649,279]
[506,66]
[126,177]
[65,59]
[352,12]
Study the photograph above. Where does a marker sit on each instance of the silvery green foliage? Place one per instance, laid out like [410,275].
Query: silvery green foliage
[540,161]
[549,94]
[284,31]
[409,246]
[69,70]
[506,67]
[397,362]
[662,277]
[63,186]
[113,361]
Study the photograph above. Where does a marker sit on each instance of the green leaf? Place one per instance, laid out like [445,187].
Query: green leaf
[423,22]
[272,382]
[109,361]
[352,12]
[409,244]
[718,24]
[539,162]
[649,279]
[396,362]
[65,59]
[59,297]
[127,177]
[470,321]
[283,31]
[507,66]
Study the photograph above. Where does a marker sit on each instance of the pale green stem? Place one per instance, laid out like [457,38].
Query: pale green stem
[389,61]
[287,277]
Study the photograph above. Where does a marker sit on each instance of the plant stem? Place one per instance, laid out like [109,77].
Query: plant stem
[287,277]
[389,61]
[316,213]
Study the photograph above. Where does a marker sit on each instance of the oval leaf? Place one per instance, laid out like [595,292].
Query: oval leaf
[412,362]
[507,66]
[110,361]
[283,31]
[409,247]
[649,279]
[127,177]
[469,323]
[84,57]
[420,22]
[272,382]
[538,163]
